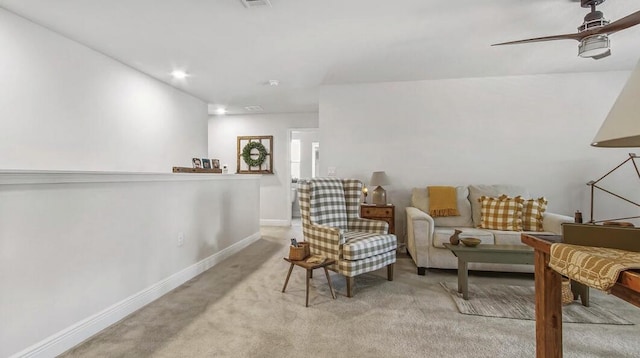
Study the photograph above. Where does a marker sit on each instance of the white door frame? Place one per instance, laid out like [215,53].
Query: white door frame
[289,138]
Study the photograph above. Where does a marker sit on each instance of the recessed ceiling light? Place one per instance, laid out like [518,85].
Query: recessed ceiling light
[274,82]
[179,74]
[221,111]
[253,3]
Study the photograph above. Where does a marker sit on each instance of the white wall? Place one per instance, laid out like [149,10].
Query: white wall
[64,106]
[275,205]
[76,257]
[528,130]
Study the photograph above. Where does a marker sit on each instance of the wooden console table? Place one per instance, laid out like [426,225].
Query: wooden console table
[548,300]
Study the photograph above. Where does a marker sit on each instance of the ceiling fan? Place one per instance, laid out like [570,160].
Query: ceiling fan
[593,34]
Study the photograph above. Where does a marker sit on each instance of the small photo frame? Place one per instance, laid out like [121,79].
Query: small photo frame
[206,163]
[215,163]
[197,163]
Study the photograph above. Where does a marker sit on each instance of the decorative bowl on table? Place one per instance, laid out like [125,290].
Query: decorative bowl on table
[470,241]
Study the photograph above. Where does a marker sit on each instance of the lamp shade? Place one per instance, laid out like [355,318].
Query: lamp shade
[621,128]
[379,179]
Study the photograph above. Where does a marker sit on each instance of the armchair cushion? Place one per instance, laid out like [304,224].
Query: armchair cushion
[360,245]
[328,203]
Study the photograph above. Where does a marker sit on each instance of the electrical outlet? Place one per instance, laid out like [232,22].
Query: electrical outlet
[180,238]
[332,171]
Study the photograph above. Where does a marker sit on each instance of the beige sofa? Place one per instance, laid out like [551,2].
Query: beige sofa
[425,234]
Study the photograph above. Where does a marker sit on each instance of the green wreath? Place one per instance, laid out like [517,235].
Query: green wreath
[246,154]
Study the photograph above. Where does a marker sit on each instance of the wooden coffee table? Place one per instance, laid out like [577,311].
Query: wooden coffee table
[496,254]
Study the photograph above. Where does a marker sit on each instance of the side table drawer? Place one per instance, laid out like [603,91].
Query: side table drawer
[384,213]
[377,212]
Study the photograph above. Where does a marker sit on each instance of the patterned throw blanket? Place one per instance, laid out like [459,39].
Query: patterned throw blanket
[442,201]
[595,267]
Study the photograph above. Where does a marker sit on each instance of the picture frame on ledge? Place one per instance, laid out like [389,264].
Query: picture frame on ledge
[197,163]
[215,163]
[206,163]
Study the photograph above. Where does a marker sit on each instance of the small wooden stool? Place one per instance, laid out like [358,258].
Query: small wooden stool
[310,267]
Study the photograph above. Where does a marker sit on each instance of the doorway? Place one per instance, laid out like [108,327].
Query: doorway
[304,160]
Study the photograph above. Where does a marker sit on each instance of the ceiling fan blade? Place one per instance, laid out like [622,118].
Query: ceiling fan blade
[621,24]
[577,36]
[603,55]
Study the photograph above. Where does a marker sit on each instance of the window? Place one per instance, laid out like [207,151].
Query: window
[295,159]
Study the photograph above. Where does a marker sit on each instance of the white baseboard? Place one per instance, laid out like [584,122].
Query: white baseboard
[81,331]
[268,222]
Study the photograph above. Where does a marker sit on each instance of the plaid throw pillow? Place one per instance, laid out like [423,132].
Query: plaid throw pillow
[532,210]
[501,213]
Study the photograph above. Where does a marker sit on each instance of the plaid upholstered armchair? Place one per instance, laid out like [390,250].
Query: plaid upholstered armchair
[331,222]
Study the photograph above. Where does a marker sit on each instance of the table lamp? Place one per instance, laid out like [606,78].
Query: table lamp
[621,129]
[379,196]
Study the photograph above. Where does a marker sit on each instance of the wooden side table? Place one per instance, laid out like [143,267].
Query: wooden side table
[380,212]
[310,267]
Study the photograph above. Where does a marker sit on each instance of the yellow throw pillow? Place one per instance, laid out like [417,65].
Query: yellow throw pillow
[532,210]
[501,213]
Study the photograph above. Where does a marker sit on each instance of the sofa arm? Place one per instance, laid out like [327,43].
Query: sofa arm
[368,225]
[420,228]
[553,222]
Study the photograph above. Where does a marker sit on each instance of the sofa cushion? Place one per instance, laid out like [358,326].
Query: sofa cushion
[476,191]
[441,235]
[532,212]
[360,245]
[420,200]
[503,213]
[328,204]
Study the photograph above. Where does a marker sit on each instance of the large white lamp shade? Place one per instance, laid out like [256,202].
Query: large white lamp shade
[621,128]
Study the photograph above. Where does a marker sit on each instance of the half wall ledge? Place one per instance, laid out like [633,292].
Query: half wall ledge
[21,177]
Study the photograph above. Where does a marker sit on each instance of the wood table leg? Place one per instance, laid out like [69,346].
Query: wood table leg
[548,308]
[326,272]
[390,272]
[309,271]
[463,278]
[580,290]
[287,280]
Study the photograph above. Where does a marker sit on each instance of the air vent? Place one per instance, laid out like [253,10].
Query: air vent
[255,3]
[253,108]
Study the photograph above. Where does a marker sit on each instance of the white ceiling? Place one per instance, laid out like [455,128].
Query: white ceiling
[232,52]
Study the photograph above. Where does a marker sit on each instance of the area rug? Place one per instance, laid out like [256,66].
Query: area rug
[518,302]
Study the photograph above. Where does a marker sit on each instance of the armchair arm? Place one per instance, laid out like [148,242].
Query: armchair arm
[368,225]
[553,222]
[419,235]
[324,240]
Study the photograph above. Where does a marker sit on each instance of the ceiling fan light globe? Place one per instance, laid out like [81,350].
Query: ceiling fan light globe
[593,46]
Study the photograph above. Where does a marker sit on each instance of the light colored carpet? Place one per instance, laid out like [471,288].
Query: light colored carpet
[518,302]
[236,309]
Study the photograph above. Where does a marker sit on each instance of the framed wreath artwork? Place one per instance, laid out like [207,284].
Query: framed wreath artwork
[255,154]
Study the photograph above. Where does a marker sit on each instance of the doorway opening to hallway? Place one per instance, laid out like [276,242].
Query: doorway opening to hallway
[304,154]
